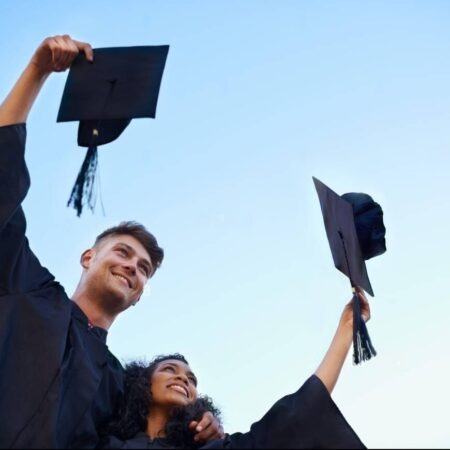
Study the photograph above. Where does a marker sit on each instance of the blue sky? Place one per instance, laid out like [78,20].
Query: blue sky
[258,97]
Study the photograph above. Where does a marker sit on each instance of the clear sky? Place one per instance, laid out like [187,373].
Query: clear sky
[257,97]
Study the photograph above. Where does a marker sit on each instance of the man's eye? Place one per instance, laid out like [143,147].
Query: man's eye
[122,252]
[193,381]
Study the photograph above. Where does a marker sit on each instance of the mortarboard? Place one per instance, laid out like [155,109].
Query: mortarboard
[121,84]
[356,233]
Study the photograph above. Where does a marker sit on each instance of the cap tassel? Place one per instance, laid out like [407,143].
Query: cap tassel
[83,190]
[363,349]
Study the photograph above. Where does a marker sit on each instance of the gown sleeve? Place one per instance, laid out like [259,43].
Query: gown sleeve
[20,270]
[308,418]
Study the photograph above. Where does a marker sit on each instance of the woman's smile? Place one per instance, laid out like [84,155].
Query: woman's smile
[179,388]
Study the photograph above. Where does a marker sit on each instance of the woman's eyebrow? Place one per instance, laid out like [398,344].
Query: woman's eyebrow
[191,374]
[176,366]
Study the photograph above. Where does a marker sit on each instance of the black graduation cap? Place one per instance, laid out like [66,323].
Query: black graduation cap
[121,84]
[356,233]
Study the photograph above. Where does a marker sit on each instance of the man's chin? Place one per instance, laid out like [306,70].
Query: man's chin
[117,300]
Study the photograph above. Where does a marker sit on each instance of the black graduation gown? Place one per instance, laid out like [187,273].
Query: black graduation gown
[308,418]
[58,380]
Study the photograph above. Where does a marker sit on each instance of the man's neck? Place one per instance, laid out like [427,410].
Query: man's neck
[97,317]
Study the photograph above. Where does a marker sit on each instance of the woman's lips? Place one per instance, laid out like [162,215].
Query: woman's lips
[181,389]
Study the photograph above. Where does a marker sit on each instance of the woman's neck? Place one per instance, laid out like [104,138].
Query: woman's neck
[156,423]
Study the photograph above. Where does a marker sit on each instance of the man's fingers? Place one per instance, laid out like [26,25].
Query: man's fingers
[86,48]
[65,49]
[193,425]
[56,53]
[206,421]
[69,51]
[208,434]
[60,53]
[208,428]
[221,432]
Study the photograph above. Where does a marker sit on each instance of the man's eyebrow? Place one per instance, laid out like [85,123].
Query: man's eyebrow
[147,262]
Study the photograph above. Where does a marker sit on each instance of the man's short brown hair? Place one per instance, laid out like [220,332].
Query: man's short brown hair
[140,233]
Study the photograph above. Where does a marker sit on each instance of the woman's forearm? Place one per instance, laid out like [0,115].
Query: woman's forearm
[331,365]
[18,103]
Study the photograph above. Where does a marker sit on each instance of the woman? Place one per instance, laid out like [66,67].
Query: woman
[161,399]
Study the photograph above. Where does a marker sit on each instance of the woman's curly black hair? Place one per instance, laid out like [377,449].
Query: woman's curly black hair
[132,414]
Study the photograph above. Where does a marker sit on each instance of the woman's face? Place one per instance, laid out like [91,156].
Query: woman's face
[173,384]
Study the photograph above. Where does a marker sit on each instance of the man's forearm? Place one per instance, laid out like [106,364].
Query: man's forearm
[331,366]
[18,103]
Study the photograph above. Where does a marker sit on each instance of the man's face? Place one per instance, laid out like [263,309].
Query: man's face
[118,268]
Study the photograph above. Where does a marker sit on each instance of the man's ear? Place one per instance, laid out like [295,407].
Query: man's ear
[87,257]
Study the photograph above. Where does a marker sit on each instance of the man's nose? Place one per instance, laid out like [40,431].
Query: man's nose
[131,267]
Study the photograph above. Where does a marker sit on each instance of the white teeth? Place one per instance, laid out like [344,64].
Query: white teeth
[120,277]
[179,389]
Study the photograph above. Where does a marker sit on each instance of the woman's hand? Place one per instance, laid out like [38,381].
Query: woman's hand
[208,429]
[331,365]
[347,315]
[57,53]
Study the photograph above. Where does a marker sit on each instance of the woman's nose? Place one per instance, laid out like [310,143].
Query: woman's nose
[183,378]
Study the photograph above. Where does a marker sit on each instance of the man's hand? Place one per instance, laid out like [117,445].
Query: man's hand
[347,315]
[208,429]
[57,53]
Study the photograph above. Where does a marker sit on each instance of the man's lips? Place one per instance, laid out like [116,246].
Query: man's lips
[123,278]
[179,388]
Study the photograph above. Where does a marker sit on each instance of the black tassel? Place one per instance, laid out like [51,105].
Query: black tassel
[83,190]
[363,349]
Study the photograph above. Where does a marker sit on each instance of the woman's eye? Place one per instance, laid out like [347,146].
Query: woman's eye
[170,369]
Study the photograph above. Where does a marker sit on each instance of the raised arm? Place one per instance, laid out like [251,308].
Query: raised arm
[20,270]
[308,418]
[330,368]
[55,54]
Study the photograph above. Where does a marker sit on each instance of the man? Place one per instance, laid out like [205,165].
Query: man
[58,381]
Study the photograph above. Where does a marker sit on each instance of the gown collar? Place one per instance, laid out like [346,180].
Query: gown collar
[81,317]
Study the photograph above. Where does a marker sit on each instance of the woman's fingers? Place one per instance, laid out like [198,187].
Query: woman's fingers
[365,307]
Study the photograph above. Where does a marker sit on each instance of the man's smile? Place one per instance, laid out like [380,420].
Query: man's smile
[124,280]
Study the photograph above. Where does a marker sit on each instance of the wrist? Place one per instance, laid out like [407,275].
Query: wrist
[37,72]
[345,330]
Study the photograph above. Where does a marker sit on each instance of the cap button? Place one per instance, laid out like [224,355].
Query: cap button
[95,132]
